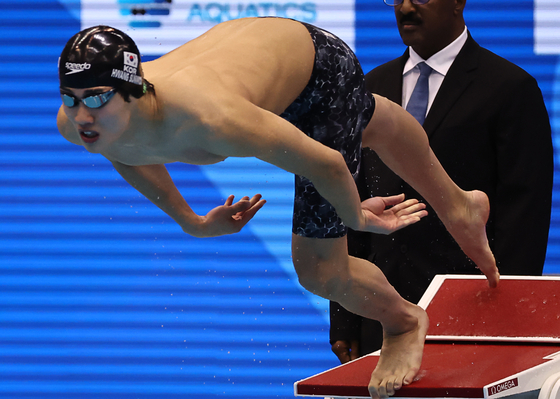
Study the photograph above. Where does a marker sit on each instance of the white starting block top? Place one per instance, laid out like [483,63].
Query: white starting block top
[482,343]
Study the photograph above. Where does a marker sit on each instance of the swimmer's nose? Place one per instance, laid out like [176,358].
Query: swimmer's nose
[83,115]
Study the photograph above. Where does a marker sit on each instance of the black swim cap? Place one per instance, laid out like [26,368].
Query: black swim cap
[101,56]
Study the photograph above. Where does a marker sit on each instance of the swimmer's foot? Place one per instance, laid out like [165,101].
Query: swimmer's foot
[401,356]
[469,230]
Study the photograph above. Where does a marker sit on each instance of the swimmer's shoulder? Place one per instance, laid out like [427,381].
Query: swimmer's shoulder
[66,129]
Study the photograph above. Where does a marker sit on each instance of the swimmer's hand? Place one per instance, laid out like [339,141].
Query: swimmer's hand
[384,215]
[229,218]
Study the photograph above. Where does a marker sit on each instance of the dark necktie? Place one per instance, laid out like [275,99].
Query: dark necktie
[418,103]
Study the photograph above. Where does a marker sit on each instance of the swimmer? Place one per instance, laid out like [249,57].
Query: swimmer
[292,95]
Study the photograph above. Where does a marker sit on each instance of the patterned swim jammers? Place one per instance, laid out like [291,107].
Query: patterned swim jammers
[334,108]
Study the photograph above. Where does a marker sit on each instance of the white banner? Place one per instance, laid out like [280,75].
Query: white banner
[158,27]
[547,26]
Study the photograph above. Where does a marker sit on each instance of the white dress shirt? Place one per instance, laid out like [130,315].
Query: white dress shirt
[440,62]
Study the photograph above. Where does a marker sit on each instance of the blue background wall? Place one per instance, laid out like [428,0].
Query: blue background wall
[102,295]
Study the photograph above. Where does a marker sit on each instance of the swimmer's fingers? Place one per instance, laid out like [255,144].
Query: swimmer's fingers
[248,214]
[393,200]
[385,215]
[231,217]
[407,212]
[401,207]
[255,200]
[242,205]
[246,208]
[256,204]
[229,200]
[410,207]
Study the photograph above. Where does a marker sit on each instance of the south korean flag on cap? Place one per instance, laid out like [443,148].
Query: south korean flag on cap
[130,59]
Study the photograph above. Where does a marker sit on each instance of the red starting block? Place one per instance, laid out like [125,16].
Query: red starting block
[481,343]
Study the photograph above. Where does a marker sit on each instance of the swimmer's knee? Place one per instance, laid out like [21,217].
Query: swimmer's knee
[321,264]
[323,278]
[325,284]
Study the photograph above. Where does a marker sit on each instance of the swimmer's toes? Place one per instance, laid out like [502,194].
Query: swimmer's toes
[409,377]
[373,392]
[394,388]
[390,387]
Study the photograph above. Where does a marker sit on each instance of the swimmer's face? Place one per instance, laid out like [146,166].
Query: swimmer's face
[99,114]
[430,27]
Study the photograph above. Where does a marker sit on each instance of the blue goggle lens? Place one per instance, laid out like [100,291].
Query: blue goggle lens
[95,101]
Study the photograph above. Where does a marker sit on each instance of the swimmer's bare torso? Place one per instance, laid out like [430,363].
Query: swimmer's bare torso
[215,96]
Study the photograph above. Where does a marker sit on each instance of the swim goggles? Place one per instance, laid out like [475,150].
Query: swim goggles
[95,101]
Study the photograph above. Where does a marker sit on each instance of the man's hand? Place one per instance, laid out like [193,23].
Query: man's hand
[231,217]
[384,215]
[346,350]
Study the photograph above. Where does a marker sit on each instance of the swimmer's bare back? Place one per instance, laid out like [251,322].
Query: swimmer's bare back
[268,61]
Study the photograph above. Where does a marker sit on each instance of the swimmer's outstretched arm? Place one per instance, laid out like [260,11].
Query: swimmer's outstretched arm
[243,130]
[154,182]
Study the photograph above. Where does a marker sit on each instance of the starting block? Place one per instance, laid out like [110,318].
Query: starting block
[481,343]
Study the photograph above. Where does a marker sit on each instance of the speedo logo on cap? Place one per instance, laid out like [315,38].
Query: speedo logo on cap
[75,68]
